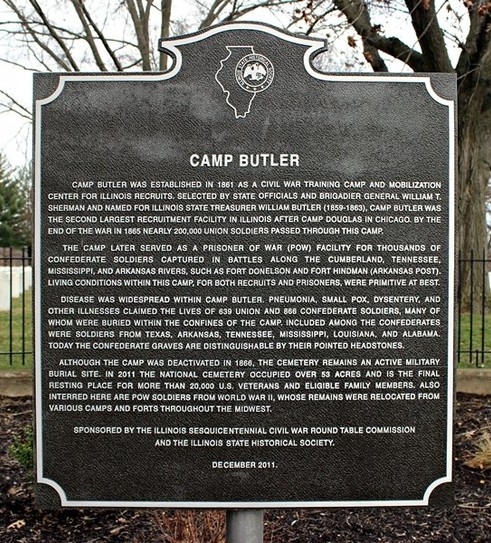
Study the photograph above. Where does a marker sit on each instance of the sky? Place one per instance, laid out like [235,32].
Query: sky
[15,132]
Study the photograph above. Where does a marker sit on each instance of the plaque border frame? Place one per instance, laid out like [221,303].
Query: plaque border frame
[171,46]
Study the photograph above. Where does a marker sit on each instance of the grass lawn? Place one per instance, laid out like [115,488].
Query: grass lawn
[473,345]
[15,342]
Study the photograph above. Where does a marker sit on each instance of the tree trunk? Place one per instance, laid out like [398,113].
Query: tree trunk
[473,177]
[166,7]
[474,71]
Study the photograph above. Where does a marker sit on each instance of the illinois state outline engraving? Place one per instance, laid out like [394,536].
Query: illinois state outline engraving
[242,75]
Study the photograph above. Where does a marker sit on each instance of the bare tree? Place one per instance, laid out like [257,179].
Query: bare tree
[71,35]
[85,34]
[78,34]
[473,71]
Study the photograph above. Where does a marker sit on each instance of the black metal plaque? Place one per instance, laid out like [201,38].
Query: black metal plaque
[244,281]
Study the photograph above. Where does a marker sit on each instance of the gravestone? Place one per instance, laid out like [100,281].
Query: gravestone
[244,281]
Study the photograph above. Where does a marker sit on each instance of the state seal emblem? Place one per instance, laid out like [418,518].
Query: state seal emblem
[242,75]
[254,73]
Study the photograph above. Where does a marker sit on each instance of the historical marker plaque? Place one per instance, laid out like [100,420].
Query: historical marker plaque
[244,281]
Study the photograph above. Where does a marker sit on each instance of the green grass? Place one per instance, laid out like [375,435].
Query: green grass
[474,342]
[22,449]
[14,342]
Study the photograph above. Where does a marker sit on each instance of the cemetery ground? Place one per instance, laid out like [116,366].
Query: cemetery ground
[468,521]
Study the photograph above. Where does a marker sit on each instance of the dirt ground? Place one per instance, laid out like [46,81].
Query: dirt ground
[469,521]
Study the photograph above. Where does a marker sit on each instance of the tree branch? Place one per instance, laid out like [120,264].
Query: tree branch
[216,8]
[357,14]
[166,6]
[16,107]
[89,38]
[477,45]
[139,16]
[100,35]
[318,19]
[25,24]
[430,35]
[17,64]
[55,35]
[400,51]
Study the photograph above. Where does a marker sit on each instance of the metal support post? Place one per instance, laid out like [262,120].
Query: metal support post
[245,526]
